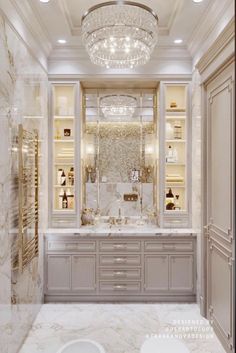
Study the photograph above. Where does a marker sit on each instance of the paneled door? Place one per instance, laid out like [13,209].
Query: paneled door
[219,202]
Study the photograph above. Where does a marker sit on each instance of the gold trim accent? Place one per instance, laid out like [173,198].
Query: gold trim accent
[109,3]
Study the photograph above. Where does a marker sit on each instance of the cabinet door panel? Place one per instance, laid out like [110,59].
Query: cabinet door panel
[84,273]
[59,273]
[181,273]
[156,273]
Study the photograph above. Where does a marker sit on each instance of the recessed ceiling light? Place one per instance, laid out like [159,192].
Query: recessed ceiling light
[178,41]
[61,41]
[197,1]
[44,1]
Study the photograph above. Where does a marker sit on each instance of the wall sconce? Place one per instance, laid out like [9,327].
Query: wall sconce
[149,149]
[90,149]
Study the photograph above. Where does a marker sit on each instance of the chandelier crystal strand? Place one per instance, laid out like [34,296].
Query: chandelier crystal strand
[119,34]
[118,106]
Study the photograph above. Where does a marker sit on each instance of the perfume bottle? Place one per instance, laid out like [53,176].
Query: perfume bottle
[177,130]
[59,173]
[177,205]
[170,155]
[175,155]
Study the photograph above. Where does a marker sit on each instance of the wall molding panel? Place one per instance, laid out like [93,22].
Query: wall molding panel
[219,188]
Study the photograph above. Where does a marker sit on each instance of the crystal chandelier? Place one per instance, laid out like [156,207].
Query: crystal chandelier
[118,106]
[119,34]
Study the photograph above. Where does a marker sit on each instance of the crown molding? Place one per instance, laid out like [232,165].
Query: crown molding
[121,77]
[215,18]
[28,14]
[22,21]
[219,52]
[79,53]
[76,30]
[156,66]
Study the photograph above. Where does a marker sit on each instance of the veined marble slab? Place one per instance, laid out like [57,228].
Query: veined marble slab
[123,230]
[120,328]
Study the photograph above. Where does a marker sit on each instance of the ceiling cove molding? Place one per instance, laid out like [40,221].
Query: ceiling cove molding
[16,21]
[216,16]
[219,52]
[176,10]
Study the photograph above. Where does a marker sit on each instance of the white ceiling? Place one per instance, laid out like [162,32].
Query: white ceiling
[62,19]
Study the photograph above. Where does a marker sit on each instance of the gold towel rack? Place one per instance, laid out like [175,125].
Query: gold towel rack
[28,196]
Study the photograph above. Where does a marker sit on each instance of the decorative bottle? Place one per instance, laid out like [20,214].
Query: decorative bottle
[64,201]
[63,178]
[59,173]
[61,193]
[71,176]
[170,200]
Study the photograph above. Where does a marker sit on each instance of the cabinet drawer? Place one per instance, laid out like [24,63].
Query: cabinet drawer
[119,287]
[119,260]
[71,245]
[168,246]
[120,246]
[120,274]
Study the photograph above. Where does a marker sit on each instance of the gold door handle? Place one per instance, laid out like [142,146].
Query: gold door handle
[119,273]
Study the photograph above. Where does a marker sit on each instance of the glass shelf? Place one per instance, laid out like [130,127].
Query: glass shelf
[63,148]
[175,145]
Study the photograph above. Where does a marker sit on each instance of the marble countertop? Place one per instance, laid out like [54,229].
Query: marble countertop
[122,230]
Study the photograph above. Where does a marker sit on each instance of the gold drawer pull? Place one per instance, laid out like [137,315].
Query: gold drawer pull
[120,259]
[119,273]
[119,246]
[119,286]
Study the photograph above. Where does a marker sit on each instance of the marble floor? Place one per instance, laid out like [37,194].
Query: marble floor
[120,328]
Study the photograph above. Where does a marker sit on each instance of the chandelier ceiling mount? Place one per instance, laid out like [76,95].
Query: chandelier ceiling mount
[119,34]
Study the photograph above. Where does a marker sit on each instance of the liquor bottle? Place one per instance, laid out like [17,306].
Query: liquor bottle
[64,201]
[63,178]
[71,176]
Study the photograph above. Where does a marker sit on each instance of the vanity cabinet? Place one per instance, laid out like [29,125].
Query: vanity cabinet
[155,273]
[125,267]
[83,275]
[58,273]
[181,273]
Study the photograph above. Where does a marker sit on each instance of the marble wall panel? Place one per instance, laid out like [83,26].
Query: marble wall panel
[111,197]
[23,99]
